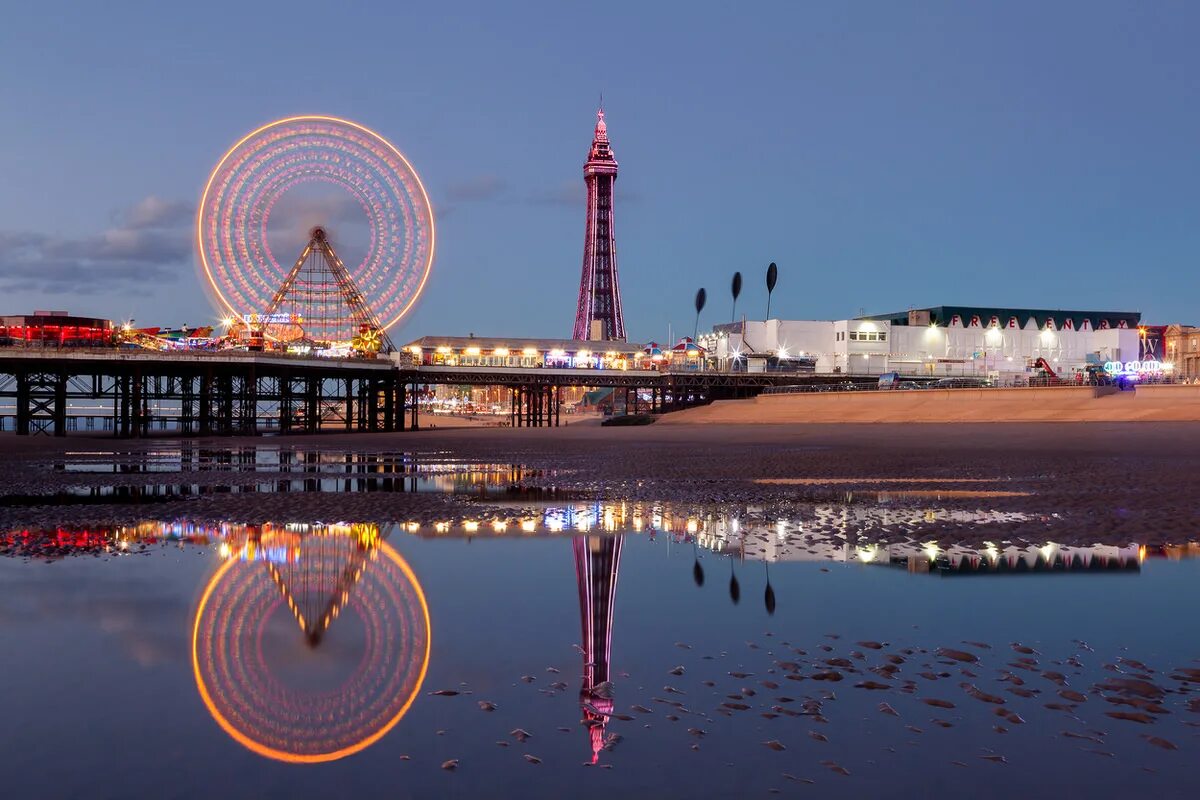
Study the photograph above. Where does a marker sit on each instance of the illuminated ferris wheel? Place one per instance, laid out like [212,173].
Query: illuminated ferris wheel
[278,186]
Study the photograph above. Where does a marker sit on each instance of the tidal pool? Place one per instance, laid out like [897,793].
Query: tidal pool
[592,650]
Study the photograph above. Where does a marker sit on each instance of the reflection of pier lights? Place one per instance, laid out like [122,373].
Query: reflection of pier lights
[597,559]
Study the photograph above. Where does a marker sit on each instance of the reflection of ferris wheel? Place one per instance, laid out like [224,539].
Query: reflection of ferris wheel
[274,692]
[247,276]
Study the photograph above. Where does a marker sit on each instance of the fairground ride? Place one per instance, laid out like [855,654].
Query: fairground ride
[317,303]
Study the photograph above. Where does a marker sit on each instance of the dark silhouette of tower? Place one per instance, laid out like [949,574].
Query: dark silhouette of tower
[596,561]
[599,314]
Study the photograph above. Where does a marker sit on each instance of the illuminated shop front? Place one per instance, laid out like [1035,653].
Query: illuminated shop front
[473,351]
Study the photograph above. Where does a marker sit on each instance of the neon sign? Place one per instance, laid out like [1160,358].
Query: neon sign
[1130,367]
[271,319]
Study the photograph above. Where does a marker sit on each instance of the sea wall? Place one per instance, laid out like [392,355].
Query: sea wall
[1050,404]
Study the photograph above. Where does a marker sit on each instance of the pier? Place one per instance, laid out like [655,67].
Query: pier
[135,393]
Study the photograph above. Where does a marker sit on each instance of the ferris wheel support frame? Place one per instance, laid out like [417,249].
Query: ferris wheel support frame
[360,312]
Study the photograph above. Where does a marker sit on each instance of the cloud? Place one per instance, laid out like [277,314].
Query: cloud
[151,243]
[571,194]
[155,213]
[475,190]
[479,189]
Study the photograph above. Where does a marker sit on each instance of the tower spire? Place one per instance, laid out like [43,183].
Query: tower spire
[598,315]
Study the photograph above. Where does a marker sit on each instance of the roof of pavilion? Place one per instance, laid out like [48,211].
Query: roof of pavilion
[517,343]
[943,315]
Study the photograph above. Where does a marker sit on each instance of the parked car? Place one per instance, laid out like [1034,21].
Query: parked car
[962,383]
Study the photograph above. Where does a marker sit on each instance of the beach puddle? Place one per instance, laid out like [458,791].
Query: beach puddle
[869,481]
[528,644]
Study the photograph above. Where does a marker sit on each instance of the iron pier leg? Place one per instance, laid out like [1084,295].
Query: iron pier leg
[135,403]
[121,428]
[23,410]
[248,410]
[206,381]
[312,405]
[402,410]
[60,404]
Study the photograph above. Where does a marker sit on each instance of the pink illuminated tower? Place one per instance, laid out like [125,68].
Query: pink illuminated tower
[599,314]
[597,559]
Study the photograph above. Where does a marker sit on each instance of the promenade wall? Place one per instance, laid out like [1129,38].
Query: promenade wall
[1050,404]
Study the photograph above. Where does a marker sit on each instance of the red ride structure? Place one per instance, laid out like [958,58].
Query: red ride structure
[599,314]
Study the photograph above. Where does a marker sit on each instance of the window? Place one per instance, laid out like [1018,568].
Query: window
[868,336]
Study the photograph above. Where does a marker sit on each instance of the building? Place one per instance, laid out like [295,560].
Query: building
[1001,343]
[55,329]
[598,315]
[1183,350]
[487,351]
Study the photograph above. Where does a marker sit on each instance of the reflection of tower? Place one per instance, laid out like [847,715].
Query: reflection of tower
[596,561]
[599,312]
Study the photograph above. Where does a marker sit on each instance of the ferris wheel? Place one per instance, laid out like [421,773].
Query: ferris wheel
[383,226]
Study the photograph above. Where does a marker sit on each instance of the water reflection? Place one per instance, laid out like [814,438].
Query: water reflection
[286,471]
[310,643]
[364,632]
[597,560]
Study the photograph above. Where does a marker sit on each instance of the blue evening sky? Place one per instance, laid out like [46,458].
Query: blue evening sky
[885,154]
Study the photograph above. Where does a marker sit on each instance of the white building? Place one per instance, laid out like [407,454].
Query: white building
[943,340]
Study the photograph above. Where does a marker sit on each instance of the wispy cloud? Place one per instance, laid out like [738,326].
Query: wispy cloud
[155,213]
[477,189]
[571,194]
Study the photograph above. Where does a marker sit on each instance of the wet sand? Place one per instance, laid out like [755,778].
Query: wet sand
[1079,483]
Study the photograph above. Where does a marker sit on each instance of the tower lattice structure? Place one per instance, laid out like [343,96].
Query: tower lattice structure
[318,301]
[597,559]
[599,316]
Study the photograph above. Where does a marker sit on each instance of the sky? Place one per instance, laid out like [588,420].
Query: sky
[884,154]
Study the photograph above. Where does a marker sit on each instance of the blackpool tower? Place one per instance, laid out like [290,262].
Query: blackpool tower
[599,313]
